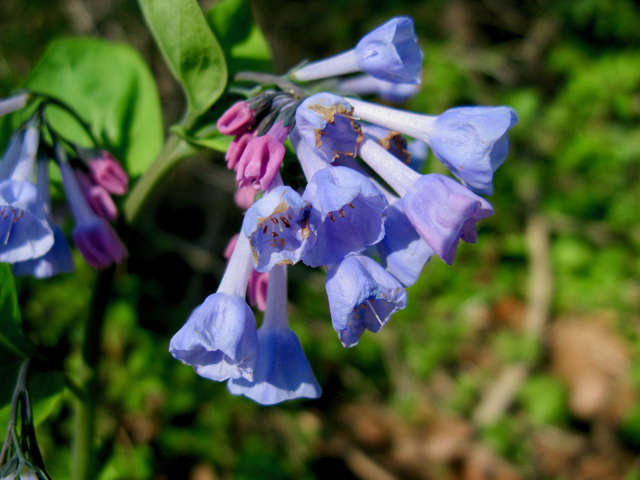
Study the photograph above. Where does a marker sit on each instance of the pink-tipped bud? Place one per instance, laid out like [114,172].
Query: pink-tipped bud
[236,120]
[258,283]
[97,196]
[99,243]
[236,149]
[244,197]
[106,171]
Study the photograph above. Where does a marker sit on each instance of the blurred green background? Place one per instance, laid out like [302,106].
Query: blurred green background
[520,361]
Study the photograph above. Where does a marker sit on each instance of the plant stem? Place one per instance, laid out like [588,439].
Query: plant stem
[175,149]
[83,459]
[21,386]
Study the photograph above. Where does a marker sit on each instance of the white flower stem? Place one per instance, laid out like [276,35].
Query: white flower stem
[276,312]
[236,276]
[398,175]
[340,64]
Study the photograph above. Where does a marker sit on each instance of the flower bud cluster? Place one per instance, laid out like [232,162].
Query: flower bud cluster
[343,210]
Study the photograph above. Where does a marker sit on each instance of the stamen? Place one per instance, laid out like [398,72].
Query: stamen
[351,205]
[331,217]
[274,234]
[374,312]
[342,214]
[274,220]
[264,230]
[286,222]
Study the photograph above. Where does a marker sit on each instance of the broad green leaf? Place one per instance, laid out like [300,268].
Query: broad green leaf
[190,49]
[243,43]
[45,389]
[13,343]
[110,87]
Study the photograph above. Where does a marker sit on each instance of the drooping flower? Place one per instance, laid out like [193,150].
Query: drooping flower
[24,229]
[95,237]
[362,296]
[278,228]
[258,281]
[348,210]
[390,52]
[325,122]
[59,258]
[440,209]
[471,141]
[219,338]
[282,371]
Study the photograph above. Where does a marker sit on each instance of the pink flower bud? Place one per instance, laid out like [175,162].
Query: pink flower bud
[99,243]
[236,120]
[97,196]
[244,197]
[236,149]
[106,171]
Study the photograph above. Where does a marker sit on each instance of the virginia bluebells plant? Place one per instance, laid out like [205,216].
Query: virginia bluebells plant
[363,189]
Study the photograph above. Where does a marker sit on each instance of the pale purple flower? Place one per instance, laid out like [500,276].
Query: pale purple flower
[258,281]
[278,228]
[13,103]
[24,230]
[390,52]
[98,197]
[59,258]
[471,141]
[219,338]
[348,210]
[325,122]
[362,296]
[282,372]
[440,209]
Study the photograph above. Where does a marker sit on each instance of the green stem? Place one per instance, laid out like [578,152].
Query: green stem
[175,149]
[84,458]
[21,386]
[266,78]
[58,103]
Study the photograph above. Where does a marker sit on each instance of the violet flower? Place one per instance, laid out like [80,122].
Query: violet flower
[95,237]
[390,52]
[362,296]
[258,281]
[348,210]
[59,258]
[24,230]
[219,338]
[282,371]
[471,141]
[278,228]
[440,209]
[98,197]
[325,123]
[368,85]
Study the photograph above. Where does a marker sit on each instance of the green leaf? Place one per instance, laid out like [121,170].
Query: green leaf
[243,43]
[110,87]
[13,343]
[45,389]
[190,49]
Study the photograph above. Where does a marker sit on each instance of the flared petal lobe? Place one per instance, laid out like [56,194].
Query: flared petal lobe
[472,142]
[362,296]
[219,339]
[57,260]
[391,52]
[278,228]
[282,371]
[24,230]
[403,252]
[348,213]
[236,120]
[443,212]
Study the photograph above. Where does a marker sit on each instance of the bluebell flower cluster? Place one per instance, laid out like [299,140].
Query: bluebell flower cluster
[30,240]
[361,192]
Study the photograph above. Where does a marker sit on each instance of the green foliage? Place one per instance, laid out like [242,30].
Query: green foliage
[14,346]
[190,49]
[545,400]
[111,88]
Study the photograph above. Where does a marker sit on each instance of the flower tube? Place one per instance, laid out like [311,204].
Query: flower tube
[282,371]
[470,141]
[390,52]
